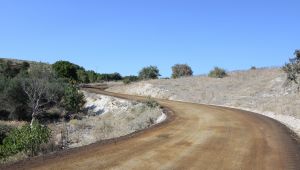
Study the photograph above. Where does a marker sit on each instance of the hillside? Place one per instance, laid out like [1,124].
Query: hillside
[261,90]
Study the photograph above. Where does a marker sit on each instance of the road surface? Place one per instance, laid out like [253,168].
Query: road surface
[196,137]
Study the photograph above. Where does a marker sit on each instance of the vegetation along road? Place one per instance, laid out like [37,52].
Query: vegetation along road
[195,137]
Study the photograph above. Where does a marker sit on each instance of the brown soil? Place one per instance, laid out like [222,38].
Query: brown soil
[197,137]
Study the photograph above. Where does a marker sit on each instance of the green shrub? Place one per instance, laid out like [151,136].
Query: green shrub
[217,73]
[12,69]
[292,69]
[82,76]
[109,77]
[181,70]
[126,81]
[4,131]
[26,139]
[73,100]
[92,76]
[151,102]
[129,79]
[151,72]
[66,69]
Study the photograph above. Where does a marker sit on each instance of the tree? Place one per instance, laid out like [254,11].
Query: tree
[181,70]
[116,76]
[73,100]
[41,88]
[150,72]
[292,69]
[16,99]
[92,76]
[65,69]
[83,76]
[110,77]
[217,73]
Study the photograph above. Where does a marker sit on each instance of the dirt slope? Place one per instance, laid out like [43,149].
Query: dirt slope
[198,137]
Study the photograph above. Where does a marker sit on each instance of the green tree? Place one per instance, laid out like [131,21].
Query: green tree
[217,73]
[16,100]
[181,70]
[92,76]
[73,100]
[151,72]
[83,76]
[110,77]
[115,77]
[65,69]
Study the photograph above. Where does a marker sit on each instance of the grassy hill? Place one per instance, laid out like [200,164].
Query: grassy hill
[260,90]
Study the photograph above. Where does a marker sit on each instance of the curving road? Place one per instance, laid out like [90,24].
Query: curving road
[196,137]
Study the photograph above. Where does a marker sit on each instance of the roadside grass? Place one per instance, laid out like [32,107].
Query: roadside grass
[260,89]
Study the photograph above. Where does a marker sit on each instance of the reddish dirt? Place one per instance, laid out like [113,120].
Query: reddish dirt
[197,137]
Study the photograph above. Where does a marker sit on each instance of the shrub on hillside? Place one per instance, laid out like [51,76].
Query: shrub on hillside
[73,100]
[4,131]
[151,72]
[26,139]
[150,102]
[92,76]
[217,73]
[129,79]
[181,70]
[13,99]
[11,69]
[126,81]
[292,69]
[110,77]
[66,69]
[82,76]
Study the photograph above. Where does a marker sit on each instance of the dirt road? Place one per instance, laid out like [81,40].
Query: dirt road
[199,137]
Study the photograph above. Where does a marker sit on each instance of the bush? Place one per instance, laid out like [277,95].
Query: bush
[292,69]
[13,100]
[151,102]
[73,100]
[83,76]
[129,79]
[25,139]
[65,69]
[181,70]
[110,77]
[4,131]
[126,81]
[217,73]
[253,68]
[92,76]
[150,72]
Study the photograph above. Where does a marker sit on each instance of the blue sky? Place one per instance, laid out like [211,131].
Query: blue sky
[126,35]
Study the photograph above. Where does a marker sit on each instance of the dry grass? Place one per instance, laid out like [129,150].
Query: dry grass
[12,123]
[261,90]
[117,117]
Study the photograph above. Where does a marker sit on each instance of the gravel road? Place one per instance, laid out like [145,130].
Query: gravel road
[195,137]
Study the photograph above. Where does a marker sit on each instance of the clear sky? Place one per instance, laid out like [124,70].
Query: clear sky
[126,35]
